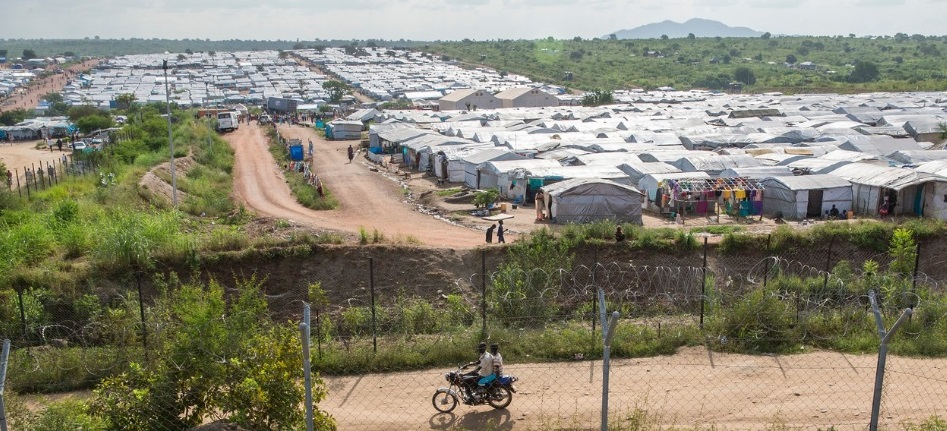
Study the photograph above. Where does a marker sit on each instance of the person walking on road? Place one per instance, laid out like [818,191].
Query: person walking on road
[351,152]
[490,232]
[500,239]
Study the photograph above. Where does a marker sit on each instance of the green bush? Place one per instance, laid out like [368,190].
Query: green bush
[734,243]
[758,322]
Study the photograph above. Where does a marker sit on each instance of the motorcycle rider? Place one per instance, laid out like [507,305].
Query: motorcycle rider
[484,365]
[497,366]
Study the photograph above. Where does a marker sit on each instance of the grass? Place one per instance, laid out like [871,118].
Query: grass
[449,192]
[306,194]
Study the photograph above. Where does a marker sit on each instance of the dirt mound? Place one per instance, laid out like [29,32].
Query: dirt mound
[153,187]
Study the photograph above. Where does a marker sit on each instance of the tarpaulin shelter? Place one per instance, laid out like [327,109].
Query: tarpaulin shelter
[590,200]
[799,197]
[888,190]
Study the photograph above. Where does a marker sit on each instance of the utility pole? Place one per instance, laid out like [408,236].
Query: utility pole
[167,99]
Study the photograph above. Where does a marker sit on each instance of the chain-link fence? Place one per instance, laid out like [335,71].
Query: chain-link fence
[705,339]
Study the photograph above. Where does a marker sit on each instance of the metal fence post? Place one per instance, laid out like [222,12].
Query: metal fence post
[371,284]
[882,355]
[4,357]
[703,285]
[141,310]
[917,264]
[26,329]
[828,263]
[769,238]
[307,369]
[483,293]
[608,333]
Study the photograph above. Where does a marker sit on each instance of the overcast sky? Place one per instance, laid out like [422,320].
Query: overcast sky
[451,19]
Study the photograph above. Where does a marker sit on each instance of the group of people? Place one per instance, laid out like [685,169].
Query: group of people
[489,364]
[499,230]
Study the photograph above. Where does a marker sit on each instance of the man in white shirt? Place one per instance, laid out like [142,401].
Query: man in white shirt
[495,368]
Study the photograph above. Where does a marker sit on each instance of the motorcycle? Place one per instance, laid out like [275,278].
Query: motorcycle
[463,387]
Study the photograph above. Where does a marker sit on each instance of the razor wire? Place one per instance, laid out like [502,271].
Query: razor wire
[709,384]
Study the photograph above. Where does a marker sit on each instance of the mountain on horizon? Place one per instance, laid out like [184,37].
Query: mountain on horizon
[700,28]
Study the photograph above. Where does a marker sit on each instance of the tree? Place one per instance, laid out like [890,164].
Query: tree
[29,54]
[865,71]
[744,75]
[691,36]
[77,112]
[336,90]
[597,98]
[13,116]
[125,100]
[93,122]
[791,59]
[766,36]
[612,36]
[664,37]
[299,45]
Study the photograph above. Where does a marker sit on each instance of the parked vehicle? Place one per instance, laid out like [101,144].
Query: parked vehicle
[463,387]
[228,121]
[79,146]
[264,119]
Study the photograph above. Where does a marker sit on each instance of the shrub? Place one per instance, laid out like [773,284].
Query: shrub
[758,322]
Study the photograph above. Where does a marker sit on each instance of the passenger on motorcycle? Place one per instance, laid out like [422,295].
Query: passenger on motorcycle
[496,365]
[484,364]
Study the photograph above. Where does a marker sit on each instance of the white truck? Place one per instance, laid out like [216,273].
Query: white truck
[228,121]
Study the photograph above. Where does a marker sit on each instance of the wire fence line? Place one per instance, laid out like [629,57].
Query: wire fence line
[27,180]
[757,343]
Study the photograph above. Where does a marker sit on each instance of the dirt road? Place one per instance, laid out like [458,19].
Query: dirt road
[29,96]
[368,200]
[693,388]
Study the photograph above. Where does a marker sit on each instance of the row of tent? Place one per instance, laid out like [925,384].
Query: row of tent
[820,158]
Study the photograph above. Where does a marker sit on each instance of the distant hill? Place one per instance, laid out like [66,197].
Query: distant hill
[700,28]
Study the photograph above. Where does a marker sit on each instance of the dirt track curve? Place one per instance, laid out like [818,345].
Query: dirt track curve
[367,199]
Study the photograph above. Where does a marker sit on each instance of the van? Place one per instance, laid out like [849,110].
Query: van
[228,121]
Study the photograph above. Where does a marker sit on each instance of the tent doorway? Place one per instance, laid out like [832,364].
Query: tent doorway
[814,208]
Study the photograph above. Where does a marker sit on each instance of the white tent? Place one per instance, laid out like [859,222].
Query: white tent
[589,200]
[911,192]
[799,197]
[473,162]
[757,172]
[490,172]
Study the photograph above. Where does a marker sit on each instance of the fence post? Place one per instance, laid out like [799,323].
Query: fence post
[26,330]
[769,238]
[608,333]
[19,188]
[703,286]
[882,355]
[307,370]
[26,179]
[828,263]
[371,284]
[141,310]
[4,357]
[319,334]
[917,264]
[483,293]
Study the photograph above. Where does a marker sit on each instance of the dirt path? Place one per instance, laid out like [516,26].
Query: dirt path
[692,388]
[367,199]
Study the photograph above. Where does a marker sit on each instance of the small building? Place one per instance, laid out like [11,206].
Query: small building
[468,99]
[799,197]
[893,191]
[341,129]
[591,200]
[526,97]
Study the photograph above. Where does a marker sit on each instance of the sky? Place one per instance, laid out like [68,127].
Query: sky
[451,19]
